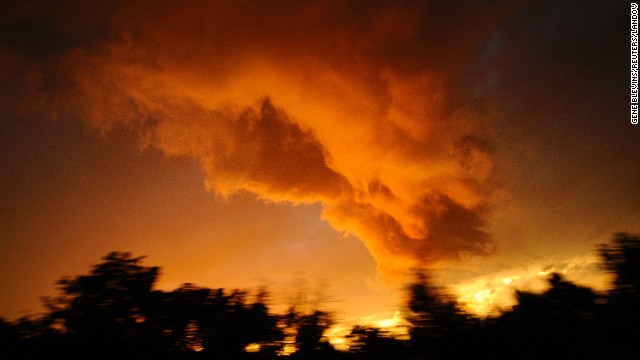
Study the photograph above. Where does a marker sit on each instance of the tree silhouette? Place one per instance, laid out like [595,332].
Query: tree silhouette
[560,322]
[621,258]
[114,310]
[10,340]
[438,322]
[237,323]
[180,315]
[370,342]
[110,309]
[309,329]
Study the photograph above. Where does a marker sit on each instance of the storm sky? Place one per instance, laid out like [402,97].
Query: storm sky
[246,143]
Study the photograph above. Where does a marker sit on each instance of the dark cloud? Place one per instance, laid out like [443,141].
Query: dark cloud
[42,30]
[258,150]
[369,110]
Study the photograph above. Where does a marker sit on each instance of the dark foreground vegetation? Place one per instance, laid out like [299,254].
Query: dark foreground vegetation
[115,311]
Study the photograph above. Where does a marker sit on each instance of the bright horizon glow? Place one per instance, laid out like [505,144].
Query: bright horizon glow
[491,293]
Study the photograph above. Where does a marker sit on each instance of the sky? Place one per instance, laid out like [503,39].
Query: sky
[317,147]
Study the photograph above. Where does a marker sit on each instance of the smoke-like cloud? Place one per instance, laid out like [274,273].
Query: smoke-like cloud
[365,107]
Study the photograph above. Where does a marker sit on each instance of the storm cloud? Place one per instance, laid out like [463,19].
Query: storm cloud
[368,108]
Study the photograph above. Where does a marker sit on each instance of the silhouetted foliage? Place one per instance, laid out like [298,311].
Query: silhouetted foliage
[309,332]
[239,324]
[181,315]
[10,339]
[621,258]
[438,321]
[370,342]
[115,310]
[111,309]
[558,322]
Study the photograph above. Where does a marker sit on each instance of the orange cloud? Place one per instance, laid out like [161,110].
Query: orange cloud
[355,105]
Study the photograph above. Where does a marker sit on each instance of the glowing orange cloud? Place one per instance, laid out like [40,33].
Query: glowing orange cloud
[357,105]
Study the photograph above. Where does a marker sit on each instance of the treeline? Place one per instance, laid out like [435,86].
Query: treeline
[115,311]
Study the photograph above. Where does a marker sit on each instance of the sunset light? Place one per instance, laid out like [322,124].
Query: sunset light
[293,178]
